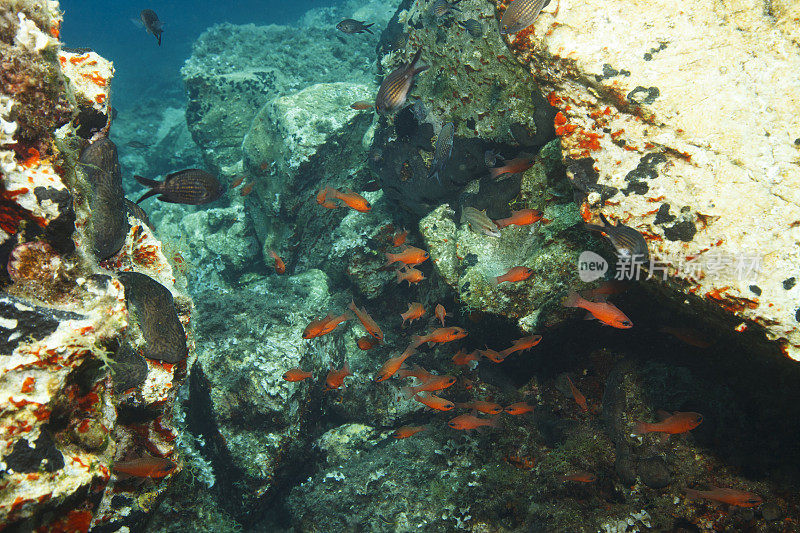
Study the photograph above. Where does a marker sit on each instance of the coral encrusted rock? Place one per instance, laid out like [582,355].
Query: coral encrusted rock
[693,115]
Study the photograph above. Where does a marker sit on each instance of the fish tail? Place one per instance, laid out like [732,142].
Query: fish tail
[573,299]
[158,36]
[390,258]
[493,422]
[367,26]
[148,194]
[413,68]
[495,281]
[594,227]
[416,340]
[497,171]
[407,392]
[640,428]
[147,182]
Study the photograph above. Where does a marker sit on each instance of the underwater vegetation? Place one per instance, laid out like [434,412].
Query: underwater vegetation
[412,266]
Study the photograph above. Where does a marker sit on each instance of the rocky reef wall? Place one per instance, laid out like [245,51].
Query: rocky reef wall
[87,382]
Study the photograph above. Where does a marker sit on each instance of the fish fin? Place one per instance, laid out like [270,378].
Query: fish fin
[158,36]
[165,198]
[589,316]
[146,195]
[137,22]
[367,26]
[662,414]
[606,222]
[640,428]
[494,422]
[573,299]
[495,281]
[147,182]
[595,227]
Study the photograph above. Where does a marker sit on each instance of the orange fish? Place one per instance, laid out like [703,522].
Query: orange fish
[366,321]
[492,355]
[523,217]
[367,342]
[324,201]
[409,274]
[440,335]
[434,402]
[238,181]
[514,274]
[467,421]
[739,498]
[581,477]
[403,432]
[463,358]
[296,374]
[280,266]
[515,166]
[410,256]
[361,105]
[522,344]
[689,336]
[675,423]
[440,313]
[605,312]
[393,364]
[247,189]
[399,238]
[352,200]
[580,399]
[323,326]
[433,383]
[466,383]
[415,371]
[151,467]
[489,408]
[335,378]
[415,311]
[519,408]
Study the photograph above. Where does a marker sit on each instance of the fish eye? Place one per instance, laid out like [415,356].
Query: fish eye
[754,500]
[626,323]
[451,424]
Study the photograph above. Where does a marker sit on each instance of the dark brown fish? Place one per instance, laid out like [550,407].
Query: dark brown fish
[473,27]
[137,211]
[108,225]
[394,89]
[628,242]
[351,26]
[444,147]
[519,15]
[441,8]
[191,186]
[152,24]
[151,307]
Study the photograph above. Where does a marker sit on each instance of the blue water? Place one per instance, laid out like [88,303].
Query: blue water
[144,69]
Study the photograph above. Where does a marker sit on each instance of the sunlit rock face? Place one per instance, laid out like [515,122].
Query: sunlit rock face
[692,115]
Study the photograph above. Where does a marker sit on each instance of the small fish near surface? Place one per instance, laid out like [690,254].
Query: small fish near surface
[444,147]
[392,365]
[628,243]
[440,335]
[325,325]
[146,467]
[735,497]
[394,89]
[518,408]
[488,408]
[410,274]
[479,222]
[351,26]
[415,311]
[409,256]
[440,313]
[369,324]
[192,186]
[522,344]
[280,266]
[433,383]
[580,399]
[434,402]
[473,27]
[519,15]
[152,24]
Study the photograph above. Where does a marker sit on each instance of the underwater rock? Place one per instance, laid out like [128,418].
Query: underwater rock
[469,262]
[108,220]
[235,70]
[152,309]
[643,119]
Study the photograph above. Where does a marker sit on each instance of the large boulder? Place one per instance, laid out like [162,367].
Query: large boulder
[700,137]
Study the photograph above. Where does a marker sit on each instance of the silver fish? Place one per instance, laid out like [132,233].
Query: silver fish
[444,147]
[479,222]
[519,15]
